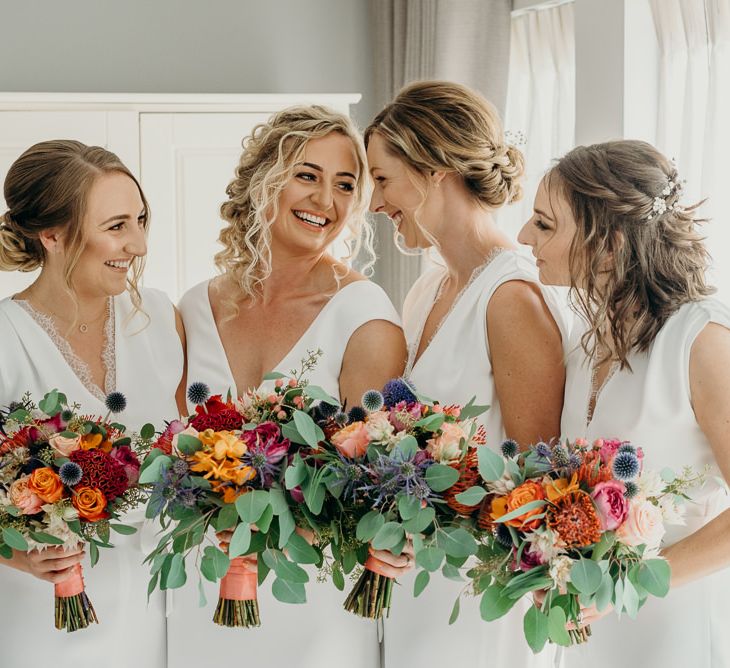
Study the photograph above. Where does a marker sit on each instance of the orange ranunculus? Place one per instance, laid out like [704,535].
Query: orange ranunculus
[95,441]
[222,444]
[528,491]
[91,504]
[560,487]
[46,484]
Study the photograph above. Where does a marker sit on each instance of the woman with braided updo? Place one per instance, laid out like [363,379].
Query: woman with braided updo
[480,326]
[85,327]
[651,367]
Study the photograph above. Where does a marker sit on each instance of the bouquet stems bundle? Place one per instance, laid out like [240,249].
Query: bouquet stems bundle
[73,609]
[237,602]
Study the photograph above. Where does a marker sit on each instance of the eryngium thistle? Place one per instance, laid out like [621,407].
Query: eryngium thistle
[509,448]
[575,460]
[543,450]
[398,390]
[560,456]
[357,414]
[327,410]
[625,466]
[632,489]
[198,393]
[341,418]
[115,402]
[372,401]
[627,447]
[70,474]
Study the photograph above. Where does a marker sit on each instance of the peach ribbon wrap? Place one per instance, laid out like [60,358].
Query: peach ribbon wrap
[239,583]
[71,586]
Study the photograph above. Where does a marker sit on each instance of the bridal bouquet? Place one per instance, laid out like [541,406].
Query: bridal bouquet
[225,467]
[65,479]
[581,524]
[399,465]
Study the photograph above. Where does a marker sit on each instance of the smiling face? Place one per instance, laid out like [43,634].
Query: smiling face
[396,195]
[114,226]
[550,232]
[319,197]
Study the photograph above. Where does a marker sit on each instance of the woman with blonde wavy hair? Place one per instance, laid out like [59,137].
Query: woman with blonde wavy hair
[85,327]
[478,325]
[300,183]
[651,367]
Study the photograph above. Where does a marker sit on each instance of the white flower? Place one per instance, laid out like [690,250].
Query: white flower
[395,439]
[379,428]
[659,206]
[560,571]
[650,484]
[502,486]
[543,541]
[673,513]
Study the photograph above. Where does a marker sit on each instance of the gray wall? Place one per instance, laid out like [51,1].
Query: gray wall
[188,46]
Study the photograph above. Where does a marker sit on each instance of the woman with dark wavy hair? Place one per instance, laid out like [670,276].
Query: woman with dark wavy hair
[650,367]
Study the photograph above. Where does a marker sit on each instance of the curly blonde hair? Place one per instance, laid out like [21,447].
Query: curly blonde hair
[47,187]
[658,261]
[270,155]
[441,125]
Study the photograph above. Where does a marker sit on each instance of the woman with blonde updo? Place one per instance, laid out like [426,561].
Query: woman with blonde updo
[85,327]
[298,186]
[651,367]
[478,326]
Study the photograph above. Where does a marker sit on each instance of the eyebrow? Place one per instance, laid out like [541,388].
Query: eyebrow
[540,212]
[319,169]
[123,216]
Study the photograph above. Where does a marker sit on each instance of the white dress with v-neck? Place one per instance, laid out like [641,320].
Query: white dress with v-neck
[650,406]
[148,361]
[454,367]
[319,634]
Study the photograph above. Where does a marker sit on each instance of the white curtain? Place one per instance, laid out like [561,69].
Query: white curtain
[694,108]
[540,97]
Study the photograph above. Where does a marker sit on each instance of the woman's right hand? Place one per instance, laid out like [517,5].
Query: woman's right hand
[224,538]
[53,564]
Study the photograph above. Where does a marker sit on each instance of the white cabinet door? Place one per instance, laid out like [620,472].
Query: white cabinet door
[187,160]
[19,130]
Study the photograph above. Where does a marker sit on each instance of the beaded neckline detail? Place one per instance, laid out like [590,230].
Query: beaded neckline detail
[80,368]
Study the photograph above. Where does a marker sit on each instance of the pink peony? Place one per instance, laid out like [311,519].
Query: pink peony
[125,456]
[644,524]
[611,504]
[63,445]
[26,501]
[353,440]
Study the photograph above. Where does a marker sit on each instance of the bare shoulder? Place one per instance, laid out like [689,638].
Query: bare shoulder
[710,357]
[518,303]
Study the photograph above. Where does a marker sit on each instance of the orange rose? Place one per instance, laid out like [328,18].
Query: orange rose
[560,487]
[90,503]
[518,497]
[353,440]
[46,484]
[95,441]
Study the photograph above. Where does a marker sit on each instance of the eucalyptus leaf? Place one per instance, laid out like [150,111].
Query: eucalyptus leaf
[288,592]
[654,576]
[14,539]
[251,505]
[421,582]
[536,627]
[493,604]
[491,465]
[456,542]
[454,612]
[471,496]
[369,525]
[240,540]
[309,430]
[556,627]
[586,576]
[300,551]
[388,536]
[408,506]
[440,477]
[421,521]
[430,558]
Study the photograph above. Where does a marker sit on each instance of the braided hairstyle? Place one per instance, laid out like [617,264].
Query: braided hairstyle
[635,265]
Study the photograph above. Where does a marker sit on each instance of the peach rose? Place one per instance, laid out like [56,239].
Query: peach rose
[91,504]
[46,484]
[528,491]
[644,524]
[445,447]
[21,496]
[353,440]
[64,445]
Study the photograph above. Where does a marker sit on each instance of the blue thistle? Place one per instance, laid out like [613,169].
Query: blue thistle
[327,410]
[399,473]
[348,477]
[625,466]
[70,474]
[632,489]
[397,390]
[509,448]
[341,418]
[67,415]
[115,402]
[560,457]
[357,414]
[198,393]
[627,447]
[543,450]
[372,401]
[180,467]
[575,460]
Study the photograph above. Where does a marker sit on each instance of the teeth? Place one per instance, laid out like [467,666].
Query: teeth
[119,264]
[310,218]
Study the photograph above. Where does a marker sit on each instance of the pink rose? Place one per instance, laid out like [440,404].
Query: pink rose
[445,447]
[609,448]
[64,445]
[353,440]
[644,524]
[26,501]
[611,504]
[125,456]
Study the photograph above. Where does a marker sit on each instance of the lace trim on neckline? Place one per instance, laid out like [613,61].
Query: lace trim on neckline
[595,392]
[80,368]
[476,272]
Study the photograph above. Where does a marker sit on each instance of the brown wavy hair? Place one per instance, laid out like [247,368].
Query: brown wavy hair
[270,155]
[47,187]
[631,268]
[441,125]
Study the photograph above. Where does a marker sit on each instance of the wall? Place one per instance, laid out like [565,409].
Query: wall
[188,46]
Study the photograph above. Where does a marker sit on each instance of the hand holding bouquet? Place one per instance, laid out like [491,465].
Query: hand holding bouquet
[64,479]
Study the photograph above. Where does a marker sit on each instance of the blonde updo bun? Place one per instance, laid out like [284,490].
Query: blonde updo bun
[17,253]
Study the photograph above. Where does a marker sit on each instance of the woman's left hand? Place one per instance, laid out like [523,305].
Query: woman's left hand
[395,565]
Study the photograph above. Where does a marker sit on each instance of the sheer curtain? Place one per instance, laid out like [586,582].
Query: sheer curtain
[540,97]
[694,108]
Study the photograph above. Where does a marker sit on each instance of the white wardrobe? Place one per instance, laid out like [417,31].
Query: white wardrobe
[183,148]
